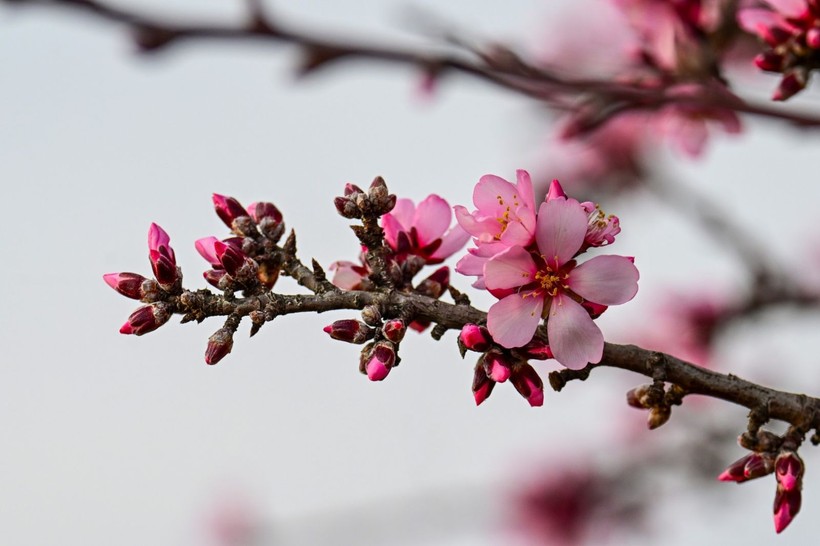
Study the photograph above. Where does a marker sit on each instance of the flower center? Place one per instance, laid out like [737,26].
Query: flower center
[550,280]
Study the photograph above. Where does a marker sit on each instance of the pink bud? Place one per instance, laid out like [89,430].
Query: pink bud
[538,350]
[394,330]
[555,191]
[813,38]
[157,237]
[753,465]
[214,277]
[349,330]
[436,284]
[528,384]
[219,345]
[497,367]
[205,247]
[786,506]
[639,396]
[228,209]
[482,385]
[260,210]
[230,257]
[162,258]
[351,189]
[127,284]
[769,61]
[792,83]
[380,361]
[788,468]
[475,337]
[147,319]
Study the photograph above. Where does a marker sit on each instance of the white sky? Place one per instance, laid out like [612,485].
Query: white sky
[121,440]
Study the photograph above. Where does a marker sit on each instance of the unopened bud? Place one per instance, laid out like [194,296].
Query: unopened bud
[219,345]
[497,366]
[394,330]
[436,284]
[371,315]
[475,338]
[769,61]
[351,189]
[639,397]
[380,199]
[788,468]
[147,319]
[230,257]
[555,191]
[792,83]
[379,360]
[260,210]
[753,465]
[538,350]
[528,384]
[217,277]
[349,330]
[228,209]
[658,416]
[482,385]
[347,207]
[127,284]
[786,506]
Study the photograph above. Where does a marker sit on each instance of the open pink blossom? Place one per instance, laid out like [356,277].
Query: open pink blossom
[423,230]
[505,212]
[548,284]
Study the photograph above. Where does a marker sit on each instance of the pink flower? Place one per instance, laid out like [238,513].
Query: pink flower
[423,230]
[547,283]
[162,258]
[505,212]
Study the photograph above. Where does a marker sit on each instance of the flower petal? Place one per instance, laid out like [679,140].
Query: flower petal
[509,269]
[525,191]
[513,320]
[432,219]
[608,280]
[451,243]
[392,227]
[475,224]
[574,339]
[493,193]
[404,212]
[560,230]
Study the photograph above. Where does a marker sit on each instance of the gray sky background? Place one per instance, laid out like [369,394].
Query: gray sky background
[111,439]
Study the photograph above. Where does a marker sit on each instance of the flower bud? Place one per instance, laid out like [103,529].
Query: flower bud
[475,338]
[786,506]
[261,210]
[813,38]
[231,258]
[436,284]
[537,349]
[498,366]
[788,468]
[658,416]
[792,83]
[228,209]
[215,278]
[162,257]
[347,207]
[371,315]
[380,199]
[528,384]
[219,345]
[394,330]
[769,61]
[555,191]
[349,330]
[147,319]
[205,247]
[379,360]
[639,396]
[351,189]
[482,385]
[127,284]
[753,465]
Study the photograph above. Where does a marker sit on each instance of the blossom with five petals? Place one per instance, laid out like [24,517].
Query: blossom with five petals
[548,283]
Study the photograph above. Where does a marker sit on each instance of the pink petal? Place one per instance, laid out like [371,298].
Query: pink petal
[560,230]
[432,219]
[574,339]
[345,276]
[404,212]
[607,280]
[157,237]
[757,21]
[474,224]
[517,233]
[205,247]
[471,265]
[493,193]
[392,227]
[512,321]
[509,269]
[451,243]
[525,190]
[790,8]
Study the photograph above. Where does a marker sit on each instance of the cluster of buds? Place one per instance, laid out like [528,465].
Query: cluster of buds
[771,454]
[357,204]
[791,32]
[659,402]
[380,355]
[167,282]
[497,365]
[237,262]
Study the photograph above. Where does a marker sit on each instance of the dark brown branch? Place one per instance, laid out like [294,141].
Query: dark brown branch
[504,69]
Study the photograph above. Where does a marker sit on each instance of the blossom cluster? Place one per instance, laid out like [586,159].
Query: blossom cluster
[527,258]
